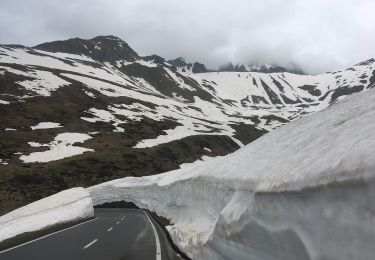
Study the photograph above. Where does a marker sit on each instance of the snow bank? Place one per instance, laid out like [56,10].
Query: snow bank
[66,206]
[302,191]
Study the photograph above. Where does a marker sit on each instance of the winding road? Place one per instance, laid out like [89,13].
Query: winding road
[116,234]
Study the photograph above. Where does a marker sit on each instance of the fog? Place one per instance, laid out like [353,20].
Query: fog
[314,35]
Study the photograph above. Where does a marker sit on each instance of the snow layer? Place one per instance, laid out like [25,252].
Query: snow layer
[62,147]
[302,191]
[67,206]
[45,125]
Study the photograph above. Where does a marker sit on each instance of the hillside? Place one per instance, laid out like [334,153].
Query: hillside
[81,112]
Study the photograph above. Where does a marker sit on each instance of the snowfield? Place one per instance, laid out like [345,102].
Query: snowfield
[302,191]
[67,206]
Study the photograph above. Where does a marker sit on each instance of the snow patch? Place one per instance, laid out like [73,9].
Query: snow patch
[4,162]
[62,147]
[90,94]
[170,135]
[44,83]
[147,63]
[46,125]
[207,149]
[3,102]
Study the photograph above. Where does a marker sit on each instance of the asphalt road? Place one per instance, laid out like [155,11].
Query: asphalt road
[118,234]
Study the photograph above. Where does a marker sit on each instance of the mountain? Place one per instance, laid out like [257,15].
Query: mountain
[185,67]
[80,112]
[101,48]
[229,67]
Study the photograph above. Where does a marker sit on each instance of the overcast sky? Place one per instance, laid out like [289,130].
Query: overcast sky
[316,35]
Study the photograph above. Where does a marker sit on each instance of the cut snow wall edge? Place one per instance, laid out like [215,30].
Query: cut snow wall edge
[211,222]
[319,204]
[66,206]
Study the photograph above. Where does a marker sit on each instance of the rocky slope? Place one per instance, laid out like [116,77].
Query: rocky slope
[80,112]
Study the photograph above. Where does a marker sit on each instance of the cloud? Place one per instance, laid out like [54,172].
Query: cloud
[315,35]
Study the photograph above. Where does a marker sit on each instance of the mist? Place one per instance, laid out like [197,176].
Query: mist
[316,36]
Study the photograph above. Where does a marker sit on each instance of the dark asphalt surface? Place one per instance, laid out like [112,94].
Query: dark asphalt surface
[118,234]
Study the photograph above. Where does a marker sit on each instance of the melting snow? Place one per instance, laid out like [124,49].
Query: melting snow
[90,94]
[62,147]
[3,162]
[207,149]
[45,83]
[147,63]
[46,125]
[3,102]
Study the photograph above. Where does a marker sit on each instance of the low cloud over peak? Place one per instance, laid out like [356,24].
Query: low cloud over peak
[314,35]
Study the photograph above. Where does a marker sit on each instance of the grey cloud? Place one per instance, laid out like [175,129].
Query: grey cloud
[316,35]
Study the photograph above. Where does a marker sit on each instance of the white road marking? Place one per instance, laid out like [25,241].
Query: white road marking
[110,229]
[157,241]
[90,244]
[29,242]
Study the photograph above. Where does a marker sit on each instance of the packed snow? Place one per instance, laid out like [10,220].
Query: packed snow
[46,125]
[200,161]
[67,206]
[302,191]
[61,147]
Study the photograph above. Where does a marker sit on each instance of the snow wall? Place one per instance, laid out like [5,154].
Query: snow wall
[303,191]
[67,206]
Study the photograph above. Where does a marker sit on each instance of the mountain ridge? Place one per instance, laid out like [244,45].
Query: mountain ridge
[128,115]
[90,48]
[103,48]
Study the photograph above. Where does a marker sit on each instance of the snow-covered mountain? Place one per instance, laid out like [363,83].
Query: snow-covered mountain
[182,66]
[135,116]
[262,68]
